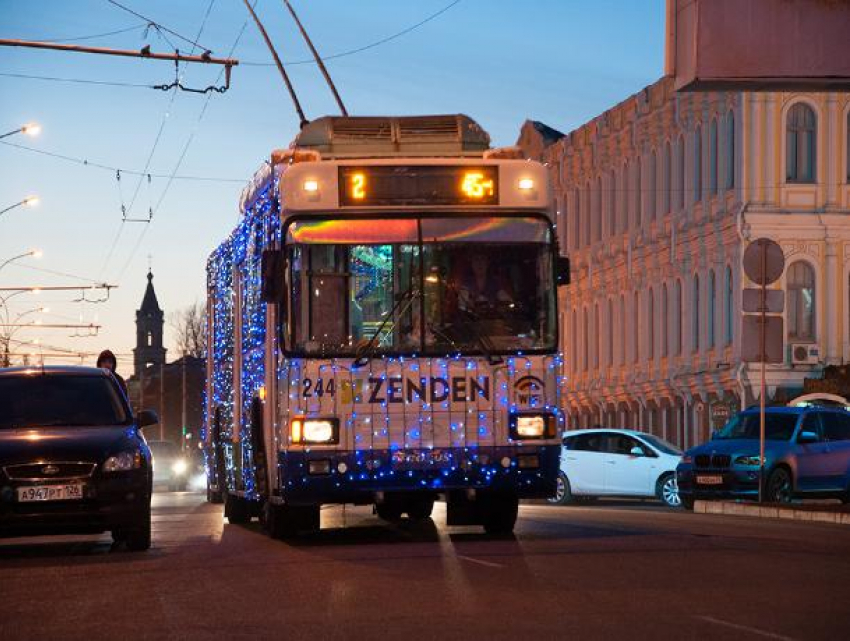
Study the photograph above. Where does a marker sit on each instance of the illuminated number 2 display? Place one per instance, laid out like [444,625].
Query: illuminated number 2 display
[358,186]
[475,185]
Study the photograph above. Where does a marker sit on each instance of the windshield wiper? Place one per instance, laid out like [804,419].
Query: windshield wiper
[483,342]
[365,353]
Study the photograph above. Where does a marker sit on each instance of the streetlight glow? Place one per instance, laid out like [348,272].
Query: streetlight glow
[30,201]
[31,129]
[36,253]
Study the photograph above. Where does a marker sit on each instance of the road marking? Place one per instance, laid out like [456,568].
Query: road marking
[489,564]
[745,628]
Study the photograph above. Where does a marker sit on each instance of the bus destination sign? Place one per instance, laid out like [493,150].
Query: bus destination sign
[380,185]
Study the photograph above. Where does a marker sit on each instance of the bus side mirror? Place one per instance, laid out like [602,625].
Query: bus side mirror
[272,268]
[562,270]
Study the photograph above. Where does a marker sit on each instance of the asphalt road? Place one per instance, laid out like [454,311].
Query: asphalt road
[611,570]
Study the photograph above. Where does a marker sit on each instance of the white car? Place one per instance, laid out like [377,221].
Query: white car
[612,462]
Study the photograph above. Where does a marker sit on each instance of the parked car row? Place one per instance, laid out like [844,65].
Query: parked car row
[807,455]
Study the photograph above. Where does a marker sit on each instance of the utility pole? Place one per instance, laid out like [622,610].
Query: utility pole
[183,398]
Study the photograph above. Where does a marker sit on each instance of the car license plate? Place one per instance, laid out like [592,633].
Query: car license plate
[709,479]
[71,491]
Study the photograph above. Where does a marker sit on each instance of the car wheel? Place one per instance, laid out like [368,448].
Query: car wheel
[668,490]
[563,493]
[138,538]
[779,486]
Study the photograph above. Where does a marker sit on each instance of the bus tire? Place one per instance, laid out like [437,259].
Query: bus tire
[389,511]
[236,509]
[419,509]
[499,514]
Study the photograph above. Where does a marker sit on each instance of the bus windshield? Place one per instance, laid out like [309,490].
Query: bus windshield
[421,286]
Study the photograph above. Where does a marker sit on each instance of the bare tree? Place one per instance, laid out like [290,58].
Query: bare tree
[190,330]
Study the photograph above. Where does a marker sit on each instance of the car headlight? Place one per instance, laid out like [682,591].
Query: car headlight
[748,460]
[179,466]
[305,431]
[123,462]
[531,426]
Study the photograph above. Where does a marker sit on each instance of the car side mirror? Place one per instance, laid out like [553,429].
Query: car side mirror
[636,451]
[147,417]
[272,276]
[562,270]
[807,437]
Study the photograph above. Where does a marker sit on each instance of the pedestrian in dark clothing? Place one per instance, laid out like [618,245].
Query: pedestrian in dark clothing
[107,360]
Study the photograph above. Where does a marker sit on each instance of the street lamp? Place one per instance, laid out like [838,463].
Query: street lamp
[29,201]
[30,129]
[35,253]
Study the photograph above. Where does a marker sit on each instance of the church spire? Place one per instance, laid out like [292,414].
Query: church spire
[150,320]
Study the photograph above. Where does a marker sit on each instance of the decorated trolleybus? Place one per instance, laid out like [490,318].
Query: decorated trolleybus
[383,329]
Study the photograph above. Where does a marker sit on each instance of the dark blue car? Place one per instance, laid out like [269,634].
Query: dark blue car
[807,455]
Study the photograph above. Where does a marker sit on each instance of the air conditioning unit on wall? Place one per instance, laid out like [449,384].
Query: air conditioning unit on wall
[804,354]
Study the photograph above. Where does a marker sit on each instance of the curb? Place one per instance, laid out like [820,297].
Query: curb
[731,508]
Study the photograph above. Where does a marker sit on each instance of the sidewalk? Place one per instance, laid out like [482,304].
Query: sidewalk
[822,512]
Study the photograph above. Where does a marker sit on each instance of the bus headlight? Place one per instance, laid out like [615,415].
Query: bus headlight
[305,431]
[528,425]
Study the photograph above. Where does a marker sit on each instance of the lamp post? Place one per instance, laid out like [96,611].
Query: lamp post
[29,201]
[30,129]
[35,253]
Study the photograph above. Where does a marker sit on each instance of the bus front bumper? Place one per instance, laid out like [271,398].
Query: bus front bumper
[338,476]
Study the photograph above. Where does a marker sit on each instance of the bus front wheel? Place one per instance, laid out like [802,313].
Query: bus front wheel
[499,513]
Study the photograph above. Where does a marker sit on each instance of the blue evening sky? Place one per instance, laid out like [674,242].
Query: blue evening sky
[499,61]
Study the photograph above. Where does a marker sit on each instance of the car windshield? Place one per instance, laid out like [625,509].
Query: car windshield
[777,427]
[661,445]
[432,286]
[35,400]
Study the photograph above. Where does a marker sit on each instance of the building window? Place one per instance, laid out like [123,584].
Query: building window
[650,324]
[665,319]
[651,190]
[712,157]
[612,204]
[667,185]
[698,165]
[680,173]
[636,328]
[677,317]
[621,333]
[695,313]
[638,194]
[712,307]
[800,137]
[149,339]
[730,150]
[585,361]
[800,284]
[729,306]
[610,332]
[597,210]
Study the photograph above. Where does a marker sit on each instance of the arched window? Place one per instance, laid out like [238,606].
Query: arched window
[698,165]
[597,210]
[610,332]
[713,159]
[585,340]
[665,319]
[800,284]
[652,203]
[667,177]
[729,307]
[612,204]
[636,327]
[712,307]
[677,317]
[149,339]
[638,194]
[730,150]
[621,333]
[680,173]
[650,324]
[800,141]
[695,313]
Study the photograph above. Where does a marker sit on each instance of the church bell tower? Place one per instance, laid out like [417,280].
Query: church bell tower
[149,325]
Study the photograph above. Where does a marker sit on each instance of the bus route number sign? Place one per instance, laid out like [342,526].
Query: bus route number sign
[386,185]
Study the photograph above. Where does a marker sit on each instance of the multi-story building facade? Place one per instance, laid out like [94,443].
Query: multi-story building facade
[657,199]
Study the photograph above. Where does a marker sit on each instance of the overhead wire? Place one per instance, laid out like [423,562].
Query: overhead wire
[94,36]
[79,81]
[159,26]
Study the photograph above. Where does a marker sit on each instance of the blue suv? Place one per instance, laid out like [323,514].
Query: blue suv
[807,454]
